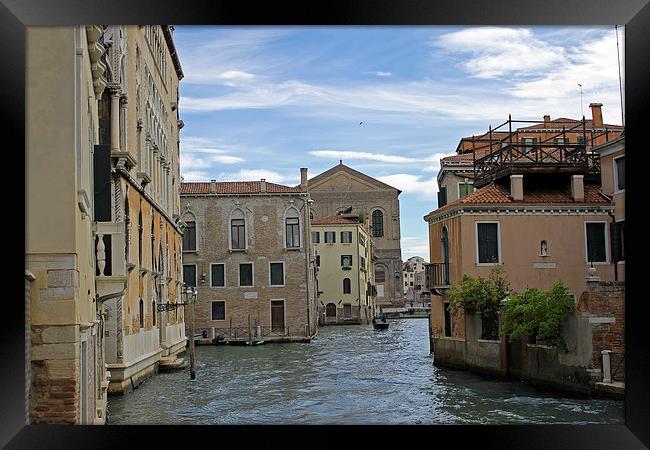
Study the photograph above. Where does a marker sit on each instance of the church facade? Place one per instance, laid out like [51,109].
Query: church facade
[345,191]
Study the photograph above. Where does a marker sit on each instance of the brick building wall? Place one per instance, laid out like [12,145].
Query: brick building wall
[604,304]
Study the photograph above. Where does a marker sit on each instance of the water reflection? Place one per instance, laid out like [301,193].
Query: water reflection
[347,375]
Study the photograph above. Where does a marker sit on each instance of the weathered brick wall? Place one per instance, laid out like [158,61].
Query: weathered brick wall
[605,303]
[54,390]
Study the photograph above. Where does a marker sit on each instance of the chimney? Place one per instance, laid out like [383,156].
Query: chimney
[547,119]
[263,185]
[596,114]
[303,179]
[517,187]
[213,186]
[577,188]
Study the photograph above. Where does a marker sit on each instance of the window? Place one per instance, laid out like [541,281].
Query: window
[189,274]
[447,320]
[292,224]
[330,237]
[153,312]
[346,260]
[189,237]
[619,173]
[442,196]
[315,237]
[141,314]
[618,240]
[217,275]
[528,143]
[377,223]
[238,230]
[465,189]
[596,245]
[362,262]
[140,238]
[411,283]
[561,141]
[380,276]
[219,310]
[346,237]
[362,240]
[246,274]
[277,274]
[581,140]
[318,260]
[487,242]
[347,286]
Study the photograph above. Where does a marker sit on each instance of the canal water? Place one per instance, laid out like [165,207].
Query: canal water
[346,375]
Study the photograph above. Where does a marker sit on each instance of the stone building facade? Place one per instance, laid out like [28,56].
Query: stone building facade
[66,374]
[343,189]
[248,252]
[344,253]
[137,200]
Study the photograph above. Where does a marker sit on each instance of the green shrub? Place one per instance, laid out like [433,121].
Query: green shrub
[480,294]
[538,314]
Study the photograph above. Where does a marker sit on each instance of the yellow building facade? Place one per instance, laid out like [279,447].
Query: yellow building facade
[344,256]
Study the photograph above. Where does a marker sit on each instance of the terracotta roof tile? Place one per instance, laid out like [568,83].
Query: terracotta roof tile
[236,187]
[569,123]
[333,220]
[497,194]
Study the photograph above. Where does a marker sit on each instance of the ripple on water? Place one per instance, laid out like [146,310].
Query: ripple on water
[347,375]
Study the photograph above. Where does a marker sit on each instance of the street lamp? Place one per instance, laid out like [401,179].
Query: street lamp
[189,297]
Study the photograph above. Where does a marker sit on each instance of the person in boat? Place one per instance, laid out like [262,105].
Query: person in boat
[374,320]
[383,318]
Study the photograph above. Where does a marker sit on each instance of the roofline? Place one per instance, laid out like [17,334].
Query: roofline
[616,141]
[167,33]
[323,174]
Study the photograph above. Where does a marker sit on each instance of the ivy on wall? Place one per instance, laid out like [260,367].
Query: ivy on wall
[480,294]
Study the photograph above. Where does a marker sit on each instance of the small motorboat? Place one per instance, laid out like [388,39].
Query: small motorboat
[380,324]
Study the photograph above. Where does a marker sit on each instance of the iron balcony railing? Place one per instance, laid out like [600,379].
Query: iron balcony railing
[500,156]
[437,275]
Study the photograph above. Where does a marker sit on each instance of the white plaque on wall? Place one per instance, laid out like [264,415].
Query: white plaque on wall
[380,290]
[549,265]
[250,295]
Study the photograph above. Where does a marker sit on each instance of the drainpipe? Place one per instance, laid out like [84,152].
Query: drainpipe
[307,252]
[614,260]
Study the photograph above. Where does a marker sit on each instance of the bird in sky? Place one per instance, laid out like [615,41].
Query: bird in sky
[360,123]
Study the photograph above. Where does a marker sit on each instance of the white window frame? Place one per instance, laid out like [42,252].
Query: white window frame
[498,243]
[607,255]
[463,182]
[252,274]
[225,282]
[224,311]
[312,237]
[245,231]
[196,274]
[284,274]
[284,230]
[616,189]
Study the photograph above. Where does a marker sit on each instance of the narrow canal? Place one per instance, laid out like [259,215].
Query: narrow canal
[347,375]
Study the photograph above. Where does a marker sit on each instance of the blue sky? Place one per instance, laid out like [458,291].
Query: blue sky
[261,102]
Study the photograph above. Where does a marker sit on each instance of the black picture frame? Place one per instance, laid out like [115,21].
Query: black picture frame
[15,15]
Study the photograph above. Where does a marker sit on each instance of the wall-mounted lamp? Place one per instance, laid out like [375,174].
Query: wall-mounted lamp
[203,278]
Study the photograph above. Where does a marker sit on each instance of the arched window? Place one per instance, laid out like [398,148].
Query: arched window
[153,248]
[292,228]
[140,237]
[377,223]
[141,314]
[238,229]
[127,219]
[153,312]
[347,286]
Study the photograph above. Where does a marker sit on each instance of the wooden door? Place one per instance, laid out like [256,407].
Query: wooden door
[277,315]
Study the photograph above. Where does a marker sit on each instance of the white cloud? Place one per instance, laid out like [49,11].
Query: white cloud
[395,159]
[236,74]
[412,184]
[499,51]
[195,175]
[383,74]
[258,174]
[415,246]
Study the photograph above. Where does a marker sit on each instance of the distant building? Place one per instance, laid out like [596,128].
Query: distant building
[342,189]
[247,249]
[343,249]
[415,293]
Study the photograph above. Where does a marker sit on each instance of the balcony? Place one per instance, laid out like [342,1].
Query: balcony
[110,258]
[437,276]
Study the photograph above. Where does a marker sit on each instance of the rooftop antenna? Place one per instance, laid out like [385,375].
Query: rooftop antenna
[582,111]
[620,84]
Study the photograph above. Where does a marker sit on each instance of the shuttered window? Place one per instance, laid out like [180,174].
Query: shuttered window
[620,173]
[246,274]
[189,237]
[465,189]
[488,242]
[218,276]
[219,310]
[596,249]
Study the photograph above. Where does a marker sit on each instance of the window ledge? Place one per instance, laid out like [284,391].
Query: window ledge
[293,249]
[489,264]
[238,250]
[190,251]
